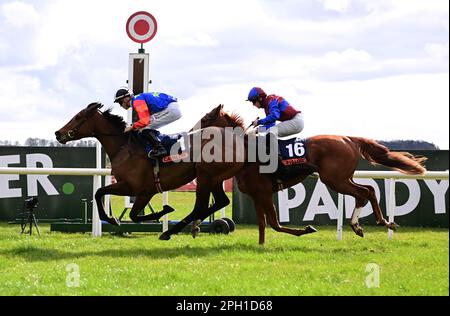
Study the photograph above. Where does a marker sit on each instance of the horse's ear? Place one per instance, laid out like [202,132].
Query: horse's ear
[218,109]
[95,105]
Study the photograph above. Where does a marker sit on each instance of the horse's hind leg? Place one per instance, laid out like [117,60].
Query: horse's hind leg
[359,192]
[259,207]
[377,211]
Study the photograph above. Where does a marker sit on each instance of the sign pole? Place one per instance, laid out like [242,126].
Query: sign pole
[141,27]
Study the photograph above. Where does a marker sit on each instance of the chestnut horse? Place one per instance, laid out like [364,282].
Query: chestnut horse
[134,171]
[336,158]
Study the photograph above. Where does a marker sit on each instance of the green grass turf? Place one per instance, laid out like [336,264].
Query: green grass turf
[415,262]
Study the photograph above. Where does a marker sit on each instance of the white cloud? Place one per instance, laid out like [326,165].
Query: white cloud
[18,14]
[27,99]
[400,107]
[437,51]
[4,47]
[417,6]
[348,57]
[198,40]
[336,5]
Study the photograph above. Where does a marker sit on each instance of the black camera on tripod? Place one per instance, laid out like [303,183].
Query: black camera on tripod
[27,216]
[31,203]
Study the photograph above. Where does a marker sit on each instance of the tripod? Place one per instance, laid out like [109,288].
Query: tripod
[28,218]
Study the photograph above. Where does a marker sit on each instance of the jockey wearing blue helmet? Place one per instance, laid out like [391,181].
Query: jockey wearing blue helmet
[277,109]
[291,122]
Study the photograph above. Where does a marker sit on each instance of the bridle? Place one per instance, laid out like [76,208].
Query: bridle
[72,132]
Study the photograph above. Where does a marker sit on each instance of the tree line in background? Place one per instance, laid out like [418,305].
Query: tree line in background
[409,145]
[39,142]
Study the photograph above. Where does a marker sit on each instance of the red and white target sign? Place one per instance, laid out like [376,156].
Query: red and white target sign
[141,27]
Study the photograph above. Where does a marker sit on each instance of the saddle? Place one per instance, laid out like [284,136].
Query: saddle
[293,151]
[168,141]
[292,160]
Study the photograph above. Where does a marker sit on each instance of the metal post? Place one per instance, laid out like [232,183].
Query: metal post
[340,217]
[96,223]
[391,206]
[84,201]
[222,211]
[108,181]
[165,199]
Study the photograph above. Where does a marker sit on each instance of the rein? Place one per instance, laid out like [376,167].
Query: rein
[106,134]
[71,133]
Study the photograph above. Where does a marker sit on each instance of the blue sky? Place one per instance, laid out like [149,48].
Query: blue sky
[378,69]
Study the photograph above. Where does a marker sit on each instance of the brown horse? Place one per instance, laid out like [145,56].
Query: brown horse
[336,158]
[134,171]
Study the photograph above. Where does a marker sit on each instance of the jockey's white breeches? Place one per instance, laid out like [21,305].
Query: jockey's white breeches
[166,116]
[290,127]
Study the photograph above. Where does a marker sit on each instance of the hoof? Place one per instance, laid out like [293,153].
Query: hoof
[112,220]
[195,228]
[168,209]
[392,225]
[358,230]
[309,229]
[164,236]
[195,232]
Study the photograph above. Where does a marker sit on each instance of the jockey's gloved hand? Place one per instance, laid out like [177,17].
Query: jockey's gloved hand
[253,131]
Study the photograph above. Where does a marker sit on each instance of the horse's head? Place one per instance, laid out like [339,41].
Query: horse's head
[219,118]
[80,126]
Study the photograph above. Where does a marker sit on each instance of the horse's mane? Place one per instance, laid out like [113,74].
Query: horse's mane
[116,120]
[236,118]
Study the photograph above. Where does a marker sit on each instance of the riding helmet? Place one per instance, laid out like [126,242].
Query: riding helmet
[255,93]
[122,93]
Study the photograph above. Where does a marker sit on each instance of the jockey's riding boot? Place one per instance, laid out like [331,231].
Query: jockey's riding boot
[282,172]
[268,138]
[285,173]
[158,149]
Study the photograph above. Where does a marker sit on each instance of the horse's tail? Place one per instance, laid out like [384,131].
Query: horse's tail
[376,153]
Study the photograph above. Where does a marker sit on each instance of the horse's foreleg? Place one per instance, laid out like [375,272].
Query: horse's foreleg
[154,216]
[180,225]
[275,224]
[202,196]
[261,222]
[139,204]
[220,201]
[119,188]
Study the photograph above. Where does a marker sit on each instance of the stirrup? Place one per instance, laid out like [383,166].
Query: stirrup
[157,152]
